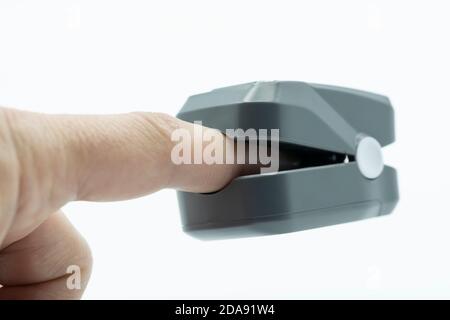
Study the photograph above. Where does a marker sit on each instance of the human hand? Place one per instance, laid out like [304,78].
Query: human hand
[49,160]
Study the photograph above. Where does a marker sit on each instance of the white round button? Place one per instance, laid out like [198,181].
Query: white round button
[369,158]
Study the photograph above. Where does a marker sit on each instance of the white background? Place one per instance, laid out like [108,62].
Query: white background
[108,56]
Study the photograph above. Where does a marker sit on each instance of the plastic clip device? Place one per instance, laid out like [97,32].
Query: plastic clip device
[335,133]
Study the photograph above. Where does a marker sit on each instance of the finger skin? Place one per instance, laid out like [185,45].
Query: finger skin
[99,158]
[35,267]
[109,157]
[49,160]
[9,178]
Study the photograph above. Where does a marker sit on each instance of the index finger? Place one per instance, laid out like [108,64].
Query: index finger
[109,157]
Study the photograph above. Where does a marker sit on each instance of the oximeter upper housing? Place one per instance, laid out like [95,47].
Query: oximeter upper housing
[333,131]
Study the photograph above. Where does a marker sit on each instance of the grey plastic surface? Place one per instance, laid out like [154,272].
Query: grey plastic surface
[318,116]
